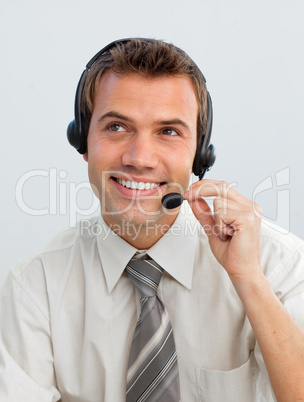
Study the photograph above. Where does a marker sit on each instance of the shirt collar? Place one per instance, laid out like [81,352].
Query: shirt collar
[174,252]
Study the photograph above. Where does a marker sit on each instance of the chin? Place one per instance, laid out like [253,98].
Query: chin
[136,219]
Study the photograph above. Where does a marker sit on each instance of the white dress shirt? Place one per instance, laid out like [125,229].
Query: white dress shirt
[68,314]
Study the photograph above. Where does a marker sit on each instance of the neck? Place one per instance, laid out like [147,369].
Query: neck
[141,235]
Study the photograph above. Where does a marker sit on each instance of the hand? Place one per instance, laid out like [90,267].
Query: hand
[233,228]
[234,237]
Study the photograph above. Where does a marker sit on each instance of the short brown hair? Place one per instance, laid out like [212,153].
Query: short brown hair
[150,58]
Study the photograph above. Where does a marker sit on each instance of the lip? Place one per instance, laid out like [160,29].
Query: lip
[131,193]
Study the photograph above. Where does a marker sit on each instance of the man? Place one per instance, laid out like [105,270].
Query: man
[232,288]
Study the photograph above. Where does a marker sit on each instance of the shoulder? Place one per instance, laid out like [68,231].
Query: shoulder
[282,237]
[60,249]
[279,241]
[38,276]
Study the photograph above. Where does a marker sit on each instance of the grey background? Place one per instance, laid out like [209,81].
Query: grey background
[250,52]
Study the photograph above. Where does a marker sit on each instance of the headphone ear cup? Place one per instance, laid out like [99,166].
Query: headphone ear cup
[209,157]
[72,134]
[75,138]
[204,158]
[197,161]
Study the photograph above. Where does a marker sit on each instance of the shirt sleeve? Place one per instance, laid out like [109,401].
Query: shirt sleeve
[26,358]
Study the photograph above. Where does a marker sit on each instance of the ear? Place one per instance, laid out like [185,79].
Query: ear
[85,156]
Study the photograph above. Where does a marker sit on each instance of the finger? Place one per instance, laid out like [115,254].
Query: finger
[213,188]
[205,216]
[228,229]
[220,217]
[225,207]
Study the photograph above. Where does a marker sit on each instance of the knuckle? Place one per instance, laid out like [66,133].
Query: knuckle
[250,217]
[225,187]
[222,218]
[216,203]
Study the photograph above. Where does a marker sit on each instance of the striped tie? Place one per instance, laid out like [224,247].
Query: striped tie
[153,372]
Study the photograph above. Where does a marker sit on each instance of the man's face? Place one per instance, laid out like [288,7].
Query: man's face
[141,145]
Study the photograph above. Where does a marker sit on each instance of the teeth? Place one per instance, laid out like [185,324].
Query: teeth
[134,185]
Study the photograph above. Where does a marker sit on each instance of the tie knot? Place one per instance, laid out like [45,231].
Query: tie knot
[146,275]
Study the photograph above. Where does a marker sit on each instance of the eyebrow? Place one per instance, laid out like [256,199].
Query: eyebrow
[125,118]
[174,121]
[113,114]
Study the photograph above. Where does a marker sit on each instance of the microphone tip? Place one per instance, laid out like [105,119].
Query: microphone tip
[172,200]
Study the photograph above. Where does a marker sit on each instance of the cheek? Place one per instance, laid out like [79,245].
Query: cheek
[103,152]
[184,157]
[94,180]
[179,166]
[100,157]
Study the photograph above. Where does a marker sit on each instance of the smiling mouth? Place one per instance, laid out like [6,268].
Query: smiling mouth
[134,185]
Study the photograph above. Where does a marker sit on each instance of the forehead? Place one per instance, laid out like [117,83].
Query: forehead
[170,93]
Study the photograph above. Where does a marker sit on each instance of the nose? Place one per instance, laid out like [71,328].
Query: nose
[141,152]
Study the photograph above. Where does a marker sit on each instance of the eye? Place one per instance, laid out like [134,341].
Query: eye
[169,131]
[115,127]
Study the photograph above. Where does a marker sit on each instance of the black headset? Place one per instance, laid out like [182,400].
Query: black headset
[77,135]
